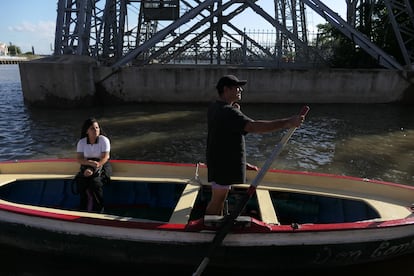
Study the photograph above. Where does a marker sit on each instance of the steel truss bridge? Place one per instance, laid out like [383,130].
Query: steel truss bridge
[132,32]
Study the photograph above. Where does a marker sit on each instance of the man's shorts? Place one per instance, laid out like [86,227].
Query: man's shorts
[216,186]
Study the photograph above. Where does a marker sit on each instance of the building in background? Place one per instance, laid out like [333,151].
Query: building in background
[4,50]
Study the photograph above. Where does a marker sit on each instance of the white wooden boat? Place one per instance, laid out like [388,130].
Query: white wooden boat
[154,214]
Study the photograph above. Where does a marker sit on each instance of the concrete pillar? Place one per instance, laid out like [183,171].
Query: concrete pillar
[61,81]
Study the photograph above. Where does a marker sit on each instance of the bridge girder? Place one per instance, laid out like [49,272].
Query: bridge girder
[120,32]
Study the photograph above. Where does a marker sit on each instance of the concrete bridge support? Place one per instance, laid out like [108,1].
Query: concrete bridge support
[70,81]
[59,81]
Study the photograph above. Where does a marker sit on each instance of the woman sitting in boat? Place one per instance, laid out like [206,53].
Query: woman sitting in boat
[93,150]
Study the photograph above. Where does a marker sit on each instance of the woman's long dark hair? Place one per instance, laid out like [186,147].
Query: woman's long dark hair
[88,122]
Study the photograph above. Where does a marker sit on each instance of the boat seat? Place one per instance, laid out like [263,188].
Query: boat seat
[267,212]
[185,205]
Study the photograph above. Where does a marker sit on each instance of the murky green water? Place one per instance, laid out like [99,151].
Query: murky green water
[372,141]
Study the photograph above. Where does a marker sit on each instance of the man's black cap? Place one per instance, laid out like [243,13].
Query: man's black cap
[229,80]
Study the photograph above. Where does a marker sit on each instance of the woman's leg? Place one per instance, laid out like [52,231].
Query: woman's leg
[82,186]
[96,188]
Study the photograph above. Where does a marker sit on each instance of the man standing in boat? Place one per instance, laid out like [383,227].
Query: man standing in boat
[226,153]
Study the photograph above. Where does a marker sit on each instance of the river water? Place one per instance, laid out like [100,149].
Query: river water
[371,141]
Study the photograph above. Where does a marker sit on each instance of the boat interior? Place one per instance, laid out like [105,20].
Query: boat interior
[179,202]
[179,193]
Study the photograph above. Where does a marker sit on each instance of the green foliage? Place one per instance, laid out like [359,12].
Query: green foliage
[14,50]
[373,22]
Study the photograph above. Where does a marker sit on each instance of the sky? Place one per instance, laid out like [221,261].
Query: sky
[31,23]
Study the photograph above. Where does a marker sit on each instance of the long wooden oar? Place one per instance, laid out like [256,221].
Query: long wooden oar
[229,220]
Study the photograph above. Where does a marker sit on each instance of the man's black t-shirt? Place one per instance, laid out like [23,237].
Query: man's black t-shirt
[226,156]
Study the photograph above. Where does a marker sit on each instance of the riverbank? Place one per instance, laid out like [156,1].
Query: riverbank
[11,60]
[19,59]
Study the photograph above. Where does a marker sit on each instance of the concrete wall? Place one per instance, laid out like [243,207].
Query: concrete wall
[189,84]
[71,81]
[62,81]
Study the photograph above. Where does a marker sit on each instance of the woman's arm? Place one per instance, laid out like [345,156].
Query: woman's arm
[81,159]
[91,163]
[104,159]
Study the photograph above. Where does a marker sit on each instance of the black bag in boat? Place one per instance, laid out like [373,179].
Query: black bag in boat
[103,172]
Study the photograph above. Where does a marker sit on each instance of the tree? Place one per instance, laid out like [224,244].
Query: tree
[373,22]
[14,50]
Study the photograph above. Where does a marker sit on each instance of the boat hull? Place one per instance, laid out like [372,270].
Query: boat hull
[141,252]
[252,244]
